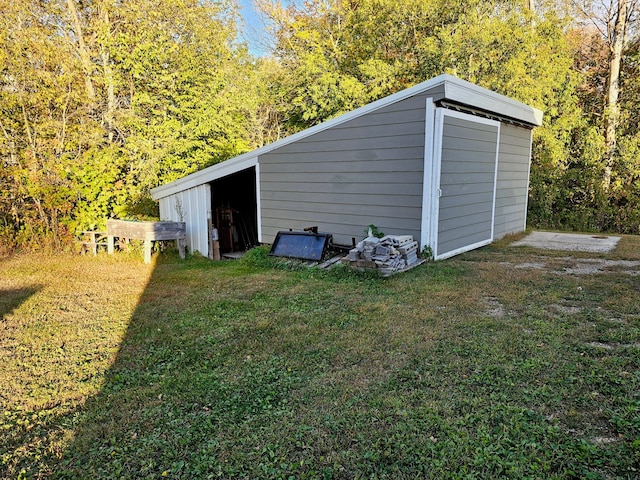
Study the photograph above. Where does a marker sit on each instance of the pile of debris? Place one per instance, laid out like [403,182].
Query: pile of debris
[389,254]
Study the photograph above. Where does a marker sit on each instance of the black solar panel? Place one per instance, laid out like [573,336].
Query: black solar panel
[302,245]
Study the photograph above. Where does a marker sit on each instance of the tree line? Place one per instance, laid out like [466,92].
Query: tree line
[102,100]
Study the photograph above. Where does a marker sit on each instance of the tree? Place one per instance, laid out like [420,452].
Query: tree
[39,99]
[345,53]
[614,20]
[101,100]
[172,85]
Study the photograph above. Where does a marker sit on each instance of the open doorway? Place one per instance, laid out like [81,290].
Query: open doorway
[233,205]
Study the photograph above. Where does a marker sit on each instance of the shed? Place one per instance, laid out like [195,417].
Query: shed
[445,161]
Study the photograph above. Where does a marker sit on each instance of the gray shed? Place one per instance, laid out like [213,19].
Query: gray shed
[445,161]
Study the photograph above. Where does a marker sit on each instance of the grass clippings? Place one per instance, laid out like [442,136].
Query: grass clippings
[498,363]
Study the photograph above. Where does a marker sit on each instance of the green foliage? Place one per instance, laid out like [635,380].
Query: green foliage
[258,257]
[427,253]
[374,231]
[102,102]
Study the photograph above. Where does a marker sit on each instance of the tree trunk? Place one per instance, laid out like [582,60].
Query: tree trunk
[612,112]
[108,79]
[87,65]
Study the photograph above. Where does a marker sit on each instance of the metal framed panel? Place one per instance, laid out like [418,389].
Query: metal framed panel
[462,202]
[192,206]
[303,245]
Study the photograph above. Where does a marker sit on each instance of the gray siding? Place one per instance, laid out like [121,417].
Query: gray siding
[513,178]
[467,182]
[365,171]
[366,166]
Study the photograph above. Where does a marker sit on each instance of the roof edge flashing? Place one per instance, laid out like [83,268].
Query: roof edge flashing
[467,93]
[208,174]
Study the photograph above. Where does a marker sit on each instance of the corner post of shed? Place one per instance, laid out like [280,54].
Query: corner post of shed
[426,222]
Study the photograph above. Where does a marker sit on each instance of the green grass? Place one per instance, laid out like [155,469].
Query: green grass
[494,364]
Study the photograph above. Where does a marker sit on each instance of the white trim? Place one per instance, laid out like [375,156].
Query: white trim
[460,250]
[495,184]
[435,181]
[258,203]
[206,215]
[455,89]
[526,197]
[427,171]
[441,113]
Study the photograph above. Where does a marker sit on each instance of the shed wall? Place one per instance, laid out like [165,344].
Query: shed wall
[192,206]
[512,188]
[364,171]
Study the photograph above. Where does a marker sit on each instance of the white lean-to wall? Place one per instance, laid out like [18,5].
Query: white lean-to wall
[192,206]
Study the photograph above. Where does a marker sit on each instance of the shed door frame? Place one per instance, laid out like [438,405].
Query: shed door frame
[434,130]
[232,192]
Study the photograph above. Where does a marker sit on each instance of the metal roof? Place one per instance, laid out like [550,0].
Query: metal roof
[455,90]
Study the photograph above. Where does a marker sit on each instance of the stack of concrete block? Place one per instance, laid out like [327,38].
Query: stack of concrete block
[389,254]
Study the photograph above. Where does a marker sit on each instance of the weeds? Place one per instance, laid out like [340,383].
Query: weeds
[481,366]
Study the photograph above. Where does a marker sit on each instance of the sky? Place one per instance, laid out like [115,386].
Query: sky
[253,32]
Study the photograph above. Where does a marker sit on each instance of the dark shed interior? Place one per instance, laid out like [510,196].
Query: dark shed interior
[234,207]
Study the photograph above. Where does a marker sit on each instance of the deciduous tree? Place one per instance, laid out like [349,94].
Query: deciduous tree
[101,100]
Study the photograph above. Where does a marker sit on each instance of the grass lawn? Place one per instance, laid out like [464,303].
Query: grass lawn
[500,363]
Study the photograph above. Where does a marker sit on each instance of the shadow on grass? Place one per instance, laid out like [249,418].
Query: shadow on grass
[10,299]
[227,371]
[184,383]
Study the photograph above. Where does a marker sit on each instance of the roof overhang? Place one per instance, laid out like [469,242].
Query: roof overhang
[206,175]
[466,93]
[455,90]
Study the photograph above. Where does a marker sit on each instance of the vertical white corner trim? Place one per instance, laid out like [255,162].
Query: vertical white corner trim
[206,208]
[526,198]
[258,201]
[435,192]
[495,186]
[427,173]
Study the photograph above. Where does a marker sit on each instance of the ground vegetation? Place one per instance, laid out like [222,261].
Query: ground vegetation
[506,362]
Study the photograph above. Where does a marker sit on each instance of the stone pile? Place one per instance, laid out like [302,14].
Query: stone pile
[389,254]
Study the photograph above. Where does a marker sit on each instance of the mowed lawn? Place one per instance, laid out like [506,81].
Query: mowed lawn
[500,363]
